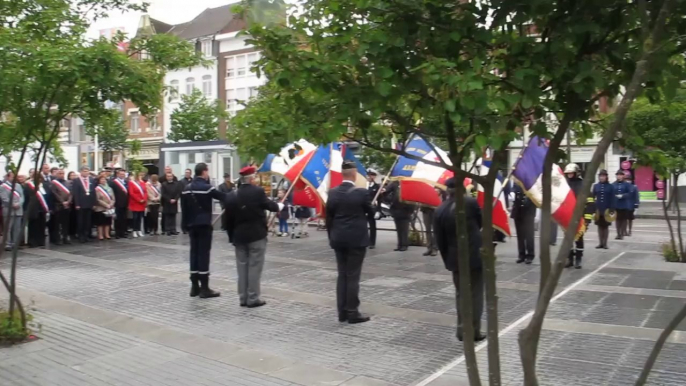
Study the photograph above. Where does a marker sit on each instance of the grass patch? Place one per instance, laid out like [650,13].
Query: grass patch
[11,330]
[670,254]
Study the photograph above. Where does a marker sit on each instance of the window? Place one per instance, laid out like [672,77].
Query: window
[240,65]
[252,58]
[174,92]
[190,85]
[207,85]
[231,100]
[241,94]
[206,47]
[133,118]
[231,67]
[152,124]
[252,92]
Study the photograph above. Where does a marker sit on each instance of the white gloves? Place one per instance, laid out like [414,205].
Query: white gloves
[619,196]
[377,216]
[281,205]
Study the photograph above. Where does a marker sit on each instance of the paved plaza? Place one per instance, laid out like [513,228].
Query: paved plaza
[118,313]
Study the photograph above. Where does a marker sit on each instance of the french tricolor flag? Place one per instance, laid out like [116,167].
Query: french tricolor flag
[501,219]
[528,173]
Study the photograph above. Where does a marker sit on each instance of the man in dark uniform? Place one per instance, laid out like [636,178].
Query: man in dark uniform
[428,214]
[184,182]
[247,227]
[120,188]
[445,230]
[604,196]
[574,180]
[373,187]
[623,203]
[348,210]
[402,215]
[83,191]
[524,214]
[197,205]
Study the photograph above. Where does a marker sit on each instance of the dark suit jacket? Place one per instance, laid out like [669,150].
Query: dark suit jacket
[121,197]
[347,211]
[246,218]
[81,199]
[445,230]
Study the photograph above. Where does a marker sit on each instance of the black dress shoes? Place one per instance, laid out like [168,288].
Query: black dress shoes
[520,259]
[258,303]
[356,317]
[343,317]
[528,260]
[400,249]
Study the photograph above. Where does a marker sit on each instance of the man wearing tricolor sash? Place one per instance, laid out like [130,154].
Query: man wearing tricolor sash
[120,188]
[83,192]
[62,205]
[12,201]
[37,192]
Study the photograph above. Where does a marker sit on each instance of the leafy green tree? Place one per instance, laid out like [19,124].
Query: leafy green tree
[467,74]
[196,118]
[50,70]
[655,134]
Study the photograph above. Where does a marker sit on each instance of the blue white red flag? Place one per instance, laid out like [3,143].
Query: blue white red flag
[418,179]
[289,156]
[528,173]
[311,186]
[501,219]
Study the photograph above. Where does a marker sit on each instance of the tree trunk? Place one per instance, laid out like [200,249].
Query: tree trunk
[531,334]
[671,229]
[465,289]
[466,310]
[678,318]
[553,146]
[678,220]
[488,257]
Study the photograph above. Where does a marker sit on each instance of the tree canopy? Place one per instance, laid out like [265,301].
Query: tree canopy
[196,118]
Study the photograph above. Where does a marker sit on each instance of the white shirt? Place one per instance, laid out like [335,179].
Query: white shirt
[348,181]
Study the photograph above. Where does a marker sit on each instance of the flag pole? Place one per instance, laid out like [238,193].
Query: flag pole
[385,179]
[272,217]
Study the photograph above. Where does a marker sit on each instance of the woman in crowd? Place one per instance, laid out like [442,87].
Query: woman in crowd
[171,191]
[103,210]
[154,199]
[138,199]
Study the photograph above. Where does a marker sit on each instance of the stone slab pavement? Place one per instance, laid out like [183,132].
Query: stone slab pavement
[118,313]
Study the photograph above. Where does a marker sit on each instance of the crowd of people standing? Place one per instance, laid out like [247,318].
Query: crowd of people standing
[85,206]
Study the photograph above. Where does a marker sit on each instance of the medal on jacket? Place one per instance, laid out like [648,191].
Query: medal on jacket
[86,186]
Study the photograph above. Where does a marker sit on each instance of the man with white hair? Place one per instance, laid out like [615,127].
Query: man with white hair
[246,225]
[14,201]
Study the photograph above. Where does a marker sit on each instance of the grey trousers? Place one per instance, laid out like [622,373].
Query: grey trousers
[249,263]
[13,231]
[553,232]
[476,279]
[428,218]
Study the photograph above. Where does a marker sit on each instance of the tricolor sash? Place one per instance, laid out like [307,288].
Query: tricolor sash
[39,195]
[121,185]
[157,191]
[140,189]
[7,186]
[61,186]
[104,192]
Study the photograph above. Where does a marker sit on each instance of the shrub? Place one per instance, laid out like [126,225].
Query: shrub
[670,254]
[11,330]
